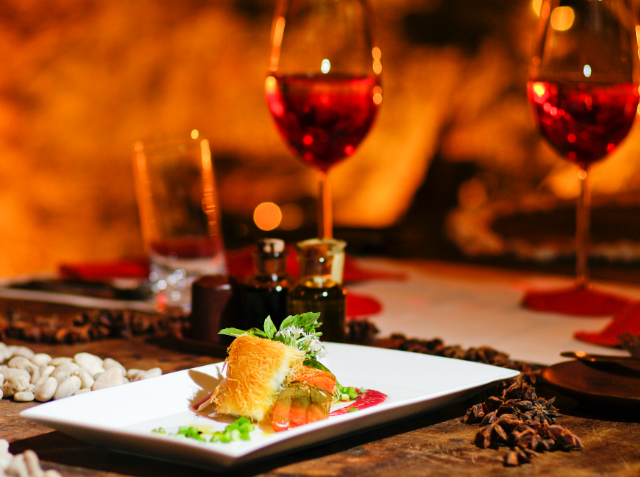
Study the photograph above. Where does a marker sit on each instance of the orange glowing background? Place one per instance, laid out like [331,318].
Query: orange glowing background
[83,81]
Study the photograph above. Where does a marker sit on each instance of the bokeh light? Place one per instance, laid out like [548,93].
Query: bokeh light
[377,95]
[562,18]
[267,216]
[537,4]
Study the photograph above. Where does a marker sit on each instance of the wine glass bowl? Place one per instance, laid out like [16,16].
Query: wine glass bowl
[323,119]
[583,92]
[323,86]
[584,122]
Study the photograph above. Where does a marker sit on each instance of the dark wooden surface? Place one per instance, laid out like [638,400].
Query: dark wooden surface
[436,444]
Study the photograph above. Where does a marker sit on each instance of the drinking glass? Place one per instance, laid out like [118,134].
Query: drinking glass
[178,204]
[323,86]
[583,91]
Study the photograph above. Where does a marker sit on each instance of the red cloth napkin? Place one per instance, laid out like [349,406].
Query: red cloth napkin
[360,306]
[627,320]
[133,268]
[574,301]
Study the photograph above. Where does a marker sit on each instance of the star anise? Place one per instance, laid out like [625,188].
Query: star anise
[564,438]
[539,409]
[474,414]
[519,390]
[489,418]
[527,436]
[492,404]
[522,421]
[497,432]
[518,456]
[490,436]
[631,343]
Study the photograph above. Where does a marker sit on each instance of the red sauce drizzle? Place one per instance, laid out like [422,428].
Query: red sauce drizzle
[369,398]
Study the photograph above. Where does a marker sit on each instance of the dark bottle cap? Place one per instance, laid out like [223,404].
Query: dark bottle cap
[212,308]
[270,257]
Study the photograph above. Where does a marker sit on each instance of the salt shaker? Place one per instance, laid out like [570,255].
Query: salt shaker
[319,286]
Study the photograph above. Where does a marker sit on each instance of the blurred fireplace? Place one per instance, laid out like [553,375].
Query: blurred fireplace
[83,80]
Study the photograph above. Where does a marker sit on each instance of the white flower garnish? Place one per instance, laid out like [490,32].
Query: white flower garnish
[307,342]
[298,331]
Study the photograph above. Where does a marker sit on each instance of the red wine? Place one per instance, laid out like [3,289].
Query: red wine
[323,118]
[185,247]
[584,122]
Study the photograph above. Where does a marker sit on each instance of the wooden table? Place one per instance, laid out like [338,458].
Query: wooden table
[435,444]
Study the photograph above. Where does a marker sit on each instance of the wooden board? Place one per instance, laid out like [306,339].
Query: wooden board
[437,444]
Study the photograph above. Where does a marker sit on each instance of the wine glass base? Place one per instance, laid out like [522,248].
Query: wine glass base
[575,301]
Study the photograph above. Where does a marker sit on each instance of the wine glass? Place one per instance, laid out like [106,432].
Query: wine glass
[323,86]
[583,91]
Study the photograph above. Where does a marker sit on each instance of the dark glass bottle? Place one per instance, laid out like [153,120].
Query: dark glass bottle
[265,292]
[318,289]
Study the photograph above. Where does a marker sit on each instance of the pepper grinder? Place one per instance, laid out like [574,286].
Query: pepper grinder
[265,292]
[319,286]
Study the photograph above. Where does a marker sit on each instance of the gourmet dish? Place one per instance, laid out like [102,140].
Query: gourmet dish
[274,376]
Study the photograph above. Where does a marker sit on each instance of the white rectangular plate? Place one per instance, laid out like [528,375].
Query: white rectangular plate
[123,417]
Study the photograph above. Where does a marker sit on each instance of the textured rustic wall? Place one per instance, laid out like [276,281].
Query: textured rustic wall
[82,80]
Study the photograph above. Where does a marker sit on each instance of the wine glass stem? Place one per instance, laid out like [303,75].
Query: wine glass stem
[583,213]
[325,221]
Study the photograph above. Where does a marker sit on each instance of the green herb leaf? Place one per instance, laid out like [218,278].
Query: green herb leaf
[269,328]
[288,321]
[257,332]
[306,319]
[297,331]
[232,332]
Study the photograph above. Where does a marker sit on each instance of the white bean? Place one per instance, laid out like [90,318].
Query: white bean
[63,371]
[112,363]
[33,463]
[35,375]
[23,396]
[14,385]
[41,359]
[45,391]
[90,362]
[8,352]
[67,387]
[133,373]
[23,351]
[12,372]
[20,362]
[51,473]
[152,373]
[18,467]
[44,374]
[59,361]
[111,377]
[85,377]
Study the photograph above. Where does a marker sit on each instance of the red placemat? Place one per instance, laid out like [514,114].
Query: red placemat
[627,320]
[574,301]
